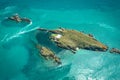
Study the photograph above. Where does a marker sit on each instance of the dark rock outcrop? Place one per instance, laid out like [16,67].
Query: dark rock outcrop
[114,50]
[47,54]
[17,18]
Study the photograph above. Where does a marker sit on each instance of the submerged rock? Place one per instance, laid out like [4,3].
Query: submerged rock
[114,50]
[48,54]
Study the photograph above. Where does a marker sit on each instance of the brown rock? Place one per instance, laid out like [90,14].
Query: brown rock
[48,54]
[114,50]
[17,18]
[72,39]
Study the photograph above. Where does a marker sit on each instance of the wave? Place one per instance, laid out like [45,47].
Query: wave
[20,32]
[103,25]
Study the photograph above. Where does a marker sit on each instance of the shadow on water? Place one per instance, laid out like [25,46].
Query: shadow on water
[38,68]
[38,72]
[10,23]
[43,39]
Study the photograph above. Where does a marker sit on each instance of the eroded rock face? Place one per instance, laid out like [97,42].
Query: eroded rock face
[114,50]
[74,40]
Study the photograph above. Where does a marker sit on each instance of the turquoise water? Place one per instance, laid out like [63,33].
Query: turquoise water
[19,59]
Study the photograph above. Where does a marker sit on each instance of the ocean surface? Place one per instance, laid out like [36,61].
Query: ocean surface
[19,59]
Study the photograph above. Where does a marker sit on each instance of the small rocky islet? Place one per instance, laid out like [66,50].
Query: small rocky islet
[17,18]
[114,50]
[48,54]
[72,40]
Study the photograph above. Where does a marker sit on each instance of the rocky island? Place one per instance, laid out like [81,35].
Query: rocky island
[114,50]
[68,39]
[17,18]
[74,40]
[47,53]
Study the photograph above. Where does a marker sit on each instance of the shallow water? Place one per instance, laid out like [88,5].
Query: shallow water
[20,61]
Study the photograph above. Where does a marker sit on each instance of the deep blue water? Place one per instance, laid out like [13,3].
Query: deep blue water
[19,59]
